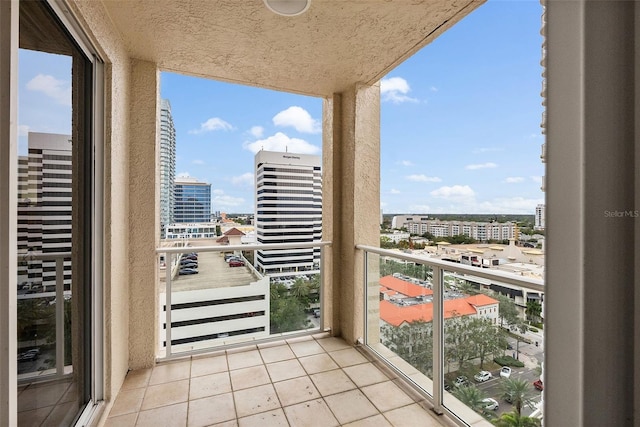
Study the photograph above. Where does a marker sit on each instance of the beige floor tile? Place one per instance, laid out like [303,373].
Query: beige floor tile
[275,418]
[387,396]
[127,402]
[317,363]
[62,414]
[296,390]
[249,377]
[209,385]
[34,417]
[285,370]
[276,354]
[350,406]
[333,344]
[166,394]
[242,349]
[254,400]
[232,423]
[332,382]
[211,410]
[375,421]
[209,365]
[166,416]
[306,348]
[169,372]
[137,379]
[365,374]
[410,416]
[313,413]
[128,420]
[41,395]
[71,395]
[347,357]
[244,359]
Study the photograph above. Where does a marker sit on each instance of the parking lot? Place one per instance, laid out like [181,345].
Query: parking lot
[213,272]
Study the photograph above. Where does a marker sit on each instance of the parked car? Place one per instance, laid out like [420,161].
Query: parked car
[538,385]
[316,312]
[461,381]
[190,264]
[490,404]
[505,372]
[483,376]
[236,263]
[186,271]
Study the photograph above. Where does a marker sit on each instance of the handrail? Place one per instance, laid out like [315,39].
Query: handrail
[226,248]
[485,273]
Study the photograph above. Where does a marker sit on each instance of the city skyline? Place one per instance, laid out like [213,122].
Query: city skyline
[460,120]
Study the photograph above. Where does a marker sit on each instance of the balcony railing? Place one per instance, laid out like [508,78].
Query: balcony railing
[212,297]
[423,320]
[43,311]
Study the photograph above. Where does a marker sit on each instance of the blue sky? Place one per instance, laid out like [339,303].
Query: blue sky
[460,120]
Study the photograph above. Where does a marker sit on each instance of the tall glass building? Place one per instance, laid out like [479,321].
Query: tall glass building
[167,166]
[192,201]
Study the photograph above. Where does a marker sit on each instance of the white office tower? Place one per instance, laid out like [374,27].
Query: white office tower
[539,219]
[167,166]
[44,209]
[288,210]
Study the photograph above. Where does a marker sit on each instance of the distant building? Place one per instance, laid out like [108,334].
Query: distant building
[44,208]
[167,166]
[539,219]
[192,201]
[481,231]
[288,210]
[205,230]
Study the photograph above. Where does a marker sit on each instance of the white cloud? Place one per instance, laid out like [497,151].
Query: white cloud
[222,201]
[460,193]
[297,118]
[395,89]
[513,179]
[281,142]
[433,89]
[422,178]
[257,131]
[536,179]
[488,165]
[394,191]
[405,163]
[217,192]
[198,162]
[244,179]
[420,209]
[59,90]
[23,130]
[214,123]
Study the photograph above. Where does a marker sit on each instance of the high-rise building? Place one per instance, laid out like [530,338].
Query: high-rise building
[44,208]
[288,210]
[539,219]
[167,166]
[192,201]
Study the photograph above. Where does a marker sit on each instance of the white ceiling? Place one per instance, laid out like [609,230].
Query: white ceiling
[332,46]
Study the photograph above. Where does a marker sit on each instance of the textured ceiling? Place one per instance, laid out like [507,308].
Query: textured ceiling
[335,44]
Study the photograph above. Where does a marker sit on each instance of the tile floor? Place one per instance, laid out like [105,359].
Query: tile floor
[310,381]
[49,403]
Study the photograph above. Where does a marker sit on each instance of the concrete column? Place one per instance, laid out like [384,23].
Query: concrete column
[143,221]
[591,213]
[8,211]
[352,192]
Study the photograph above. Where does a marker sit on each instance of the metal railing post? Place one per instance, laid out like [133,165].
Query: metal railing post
[438,339]
[365,338]
[169,272]
[60,338]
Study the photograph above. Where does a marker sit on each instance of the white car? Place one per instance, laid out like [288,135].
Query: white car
[483,376]
[490,404]
[505,372]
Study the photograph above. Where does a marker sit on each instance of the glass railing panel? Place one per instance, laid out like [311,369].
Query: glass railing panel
[221,297]
[400,314]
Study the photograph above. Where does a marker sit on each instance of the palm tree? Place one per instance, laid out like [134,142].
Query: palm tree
[471,396]
[513,419]
[519,392]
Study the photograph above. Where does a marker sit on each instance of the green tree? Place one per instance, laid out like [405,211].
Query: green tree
[413,342]
[459,346]
[519,392]
[386,243]
[488,338]
[533,311]
[507,310]
[513,419]
[473,397]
